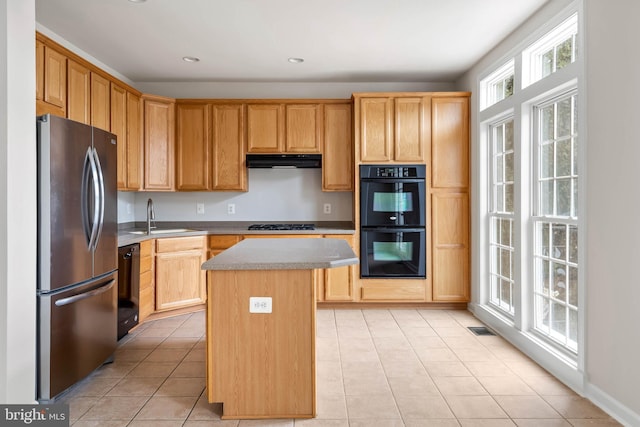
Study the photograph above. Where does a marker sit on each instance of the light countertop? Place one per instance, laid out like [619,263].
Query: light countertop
[284,254]
[125,237]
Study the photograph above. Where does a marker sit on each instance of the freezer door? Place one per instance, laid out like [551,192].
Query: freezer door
[76,334]
[106,244]
[64,255]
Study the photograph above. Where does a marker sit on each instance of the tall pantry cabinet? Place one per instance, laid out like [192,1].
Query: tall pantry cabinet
[430,128]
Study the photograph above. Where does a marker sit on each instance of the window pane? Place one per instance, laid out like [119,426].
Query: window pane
[508,198]
[508,86]
[546,63]
[564,53]
[508,136]
[546,161]
[505,263]
[558,318]
[564,199]
[559,236]
[508,167]
[505,232]
[573,244]
[547,123]
[573,286]
[505,293]
[564,118]
[573,329]
[563,158]
[543,238]
[574,142]
[546,198]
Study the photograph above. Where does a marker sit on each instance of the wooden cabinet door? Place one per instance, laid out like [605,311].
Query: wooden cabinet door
[450,228]
[192,147]
[158,144]
[78,92]
[55,78]
[100,105]
[39,71]
[134,142]
[303,128]
[376,129]
[450,142]
[265,128]
[411,134]
[338,282]
[228,160]
[119,128]
[180,282]
[337,152]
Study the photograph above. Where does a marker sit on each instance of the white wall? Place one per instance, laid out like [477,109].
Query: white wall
[612,317]
[613,204]
[274,195]
[17,202]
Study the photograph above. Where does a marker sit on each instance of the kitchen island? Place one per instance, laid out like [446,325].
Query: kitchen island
[261,325]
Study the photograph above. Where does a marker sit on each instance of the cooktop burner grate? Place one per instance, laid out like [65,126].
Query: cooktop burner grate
[282,227]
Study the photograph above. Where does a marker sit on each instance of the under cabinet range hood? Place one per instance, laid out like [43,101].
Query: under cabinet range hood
[284,160]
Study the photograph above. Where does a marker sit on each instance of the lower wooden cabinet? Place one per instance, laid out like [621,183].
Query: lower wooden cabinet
[147,280]
[220,242]
[338,282]
[450,219]
[180,282]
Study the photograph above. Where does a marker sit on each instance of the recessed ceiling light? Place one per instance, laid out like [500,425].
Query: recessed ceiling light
[190,59]
[295,60]
[138,1]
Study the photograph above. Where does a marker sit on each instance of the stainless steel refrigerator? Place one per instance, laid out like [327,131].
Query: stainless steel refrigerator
[77,252]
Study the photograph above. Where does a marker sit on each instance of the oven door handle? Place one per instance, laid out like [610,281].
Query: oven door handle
[393,229]
[394,180]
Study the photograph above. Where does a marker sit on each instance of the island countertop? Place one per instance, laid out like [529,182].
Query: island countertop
[284,254]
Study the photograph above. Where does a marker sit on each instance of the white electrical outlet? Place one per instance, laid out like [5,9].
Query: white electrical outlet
[327,208]
[200,208]
[231,209]
[260,304]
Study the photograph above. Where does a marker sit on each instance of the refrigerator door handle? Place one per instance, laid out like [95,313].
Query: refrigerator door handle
[96,199]
[101,197]
[88,178]
[85,295]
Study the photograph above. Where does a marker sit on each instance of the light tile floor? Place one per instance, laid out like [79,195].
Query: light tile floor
[375,368]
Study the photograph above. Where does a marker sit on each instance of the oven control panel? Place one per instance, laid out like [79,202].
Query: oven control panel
[396,171]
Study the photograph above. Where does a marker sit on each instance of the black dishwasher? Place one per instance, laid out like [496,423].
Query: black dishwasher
[128,288]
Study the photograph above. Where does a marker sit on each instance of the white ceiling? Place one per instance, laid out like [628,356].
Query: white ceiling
[250,40]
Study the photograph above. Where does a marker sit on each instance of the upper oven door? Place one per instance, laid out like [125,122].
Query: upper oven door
[392,202]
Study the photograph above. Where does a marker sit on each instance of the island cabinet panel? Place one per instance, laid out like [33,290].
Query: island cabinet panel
[78,92]
[450,142]
[159,145]
[228,171]
[100,102]
[337,152]
[193,147]
[303,128]
[147,281]
[262,365]
[179,280]
[450,211]
[265,128]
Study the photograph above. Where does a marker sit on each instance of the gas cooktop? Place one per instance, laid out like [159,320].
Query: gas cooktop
[282,227]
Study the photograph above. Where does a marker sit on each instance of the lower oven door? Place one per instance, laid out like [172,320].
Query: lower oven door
[393,253]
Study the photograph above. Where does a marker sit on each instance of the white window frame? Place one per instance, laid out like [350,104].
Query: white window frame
[532,56]
[488,84]
[519,329]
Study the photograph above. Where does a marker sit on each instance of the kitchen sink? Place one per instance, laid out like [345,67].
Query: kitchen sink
[165,231]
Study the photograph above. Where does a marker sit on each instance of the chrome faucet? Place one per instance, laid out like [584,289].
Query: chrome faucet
[151,216]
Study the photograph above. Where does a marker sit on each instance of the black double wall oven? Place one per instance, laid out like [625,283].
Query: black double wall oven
[392,221]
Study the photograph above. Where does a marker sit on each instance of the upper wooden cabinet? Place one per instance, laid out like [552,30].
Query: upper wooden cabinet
[337,151]
[159,146]
[51,81]
[100,102]
[392,128]
[450,142]
[303,128]
[284,127]
[134,142]
[78,92]
[193,142]
[265,128]
[126,118]
[228,171]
